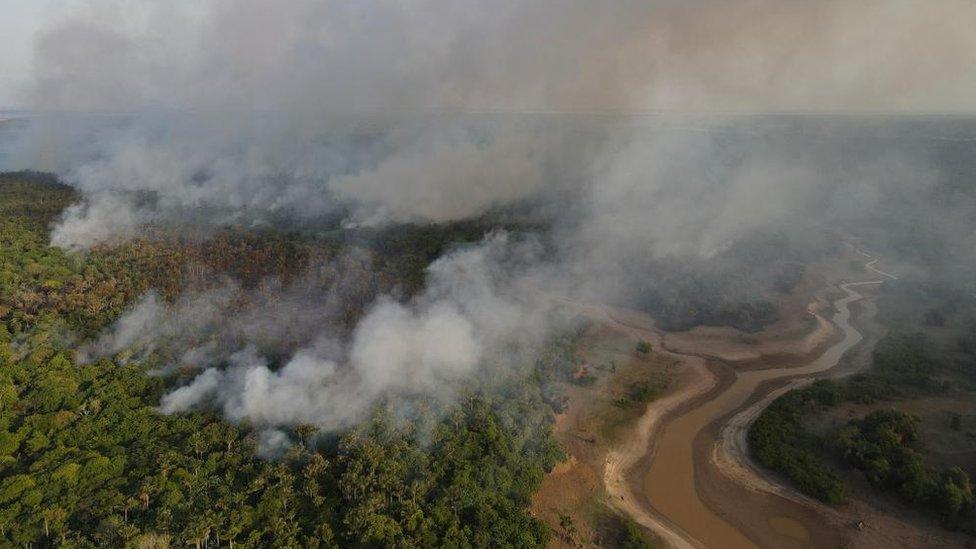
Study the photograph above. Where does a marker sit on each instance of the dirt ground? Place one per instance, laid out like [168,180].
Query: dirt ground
[796,333]
[590,426]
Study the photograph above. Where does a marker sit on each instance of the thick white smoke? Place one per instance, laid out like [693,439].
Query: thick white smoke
[476,314]
[288,108]
[447,177]
[254,112]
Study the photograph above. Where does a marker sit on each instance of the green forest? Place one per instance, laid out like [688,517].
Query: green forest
[886,446]
[87,461]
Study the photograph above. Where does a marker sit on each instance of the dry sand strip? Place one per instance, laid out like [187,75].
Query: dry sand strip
[639,446]
[697,381]
[731,454]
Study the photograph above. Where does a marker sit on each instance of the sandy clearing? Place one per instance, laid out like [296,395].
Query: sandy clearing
[800,331]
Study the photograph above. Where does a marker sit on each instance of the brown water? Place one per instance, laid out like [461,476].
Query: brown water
[670,482]
[790,528]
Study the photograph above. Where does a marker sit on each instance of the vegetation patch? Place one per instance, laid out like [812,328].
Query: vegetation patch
[86,460]
[641,393]
[884,445]
[778,442]
[617,530]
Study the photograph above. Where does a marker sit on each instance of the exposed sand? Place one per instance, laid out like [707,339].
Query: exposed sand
[696,380]
[684,470]
[732,453]
[688,402]
[672,484]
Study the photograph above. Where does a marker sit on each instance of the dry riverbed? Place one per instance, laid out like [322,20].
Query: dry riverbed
[678,466]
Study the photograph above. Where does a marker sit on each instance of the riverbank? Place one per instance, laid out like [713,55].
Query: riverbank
[673,483]
[604,436]
[681,469]
[763,506]
[609,471]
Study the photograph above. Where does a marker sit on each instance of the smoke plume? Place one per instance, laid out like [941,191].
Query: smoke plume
[427,346]
[302,114]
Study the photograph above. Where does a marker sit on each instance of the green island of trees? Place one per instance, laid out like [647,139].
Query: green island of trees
[883,445]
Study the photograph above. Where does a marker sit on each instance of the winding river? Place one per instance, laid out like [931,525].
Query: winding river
[669,484]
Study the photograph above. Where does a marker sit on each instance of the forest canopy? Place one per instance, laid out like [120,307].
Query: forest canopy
[86,459]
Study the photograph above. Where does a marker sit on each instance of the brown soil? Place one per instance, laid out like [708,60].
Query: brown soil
[592,424]
[798,332]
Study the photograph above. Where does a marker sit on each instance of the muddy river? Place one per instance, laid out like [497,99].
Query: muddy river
[670,482]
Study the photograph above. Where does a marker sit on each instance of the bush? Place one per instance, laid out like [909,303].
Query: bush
[776,441]
[881,446]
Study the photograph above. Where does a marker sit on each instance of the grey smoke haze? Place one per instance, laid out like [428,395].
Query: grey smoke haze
[335,56]
[205,324]
[688,190]
[307,64]
[445,178]
[473,315]
[259,113]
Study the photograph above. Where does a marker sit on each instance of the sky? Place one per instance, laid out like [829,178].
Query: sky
[19,22]
[747,55]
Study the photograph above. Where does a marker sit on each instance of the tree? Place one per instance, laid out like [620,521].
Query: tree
[568,527]
[304,432]
[86,456]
